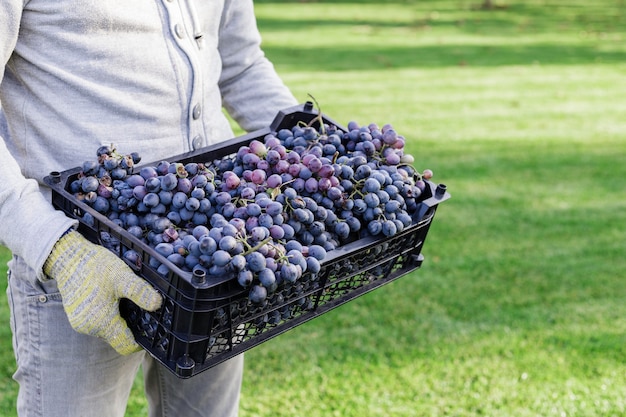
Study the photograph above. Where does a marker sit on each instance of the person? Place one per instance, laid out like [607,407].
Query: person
[153,77]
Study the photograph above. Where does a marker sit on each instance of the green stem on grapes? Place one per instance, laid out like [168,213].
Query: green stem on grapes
[288,182]
[244,241]
[280,251]
[319,117]
[257,246]
[358,192]
[241,202]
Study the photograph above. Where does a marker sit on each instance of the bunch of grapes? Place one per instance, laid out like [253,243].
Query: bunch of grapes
[267,214]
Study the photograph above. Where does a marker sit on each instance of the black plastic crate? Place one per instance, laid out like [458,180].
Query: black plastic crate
[205,322]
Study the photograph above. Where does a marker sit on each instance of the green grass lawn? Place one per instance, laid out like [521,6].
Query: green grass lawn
[518,309]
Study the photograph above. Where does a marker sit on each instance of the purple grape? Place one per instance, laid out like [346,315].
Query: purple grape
[313,265]
[265,220]
[179,200]
[238,224]
[139,192]
[231,180]
[247,193]
[324,184]
[245,278]
[282,167]
[200,181]
[383,197]
[267,278]
[184,185]
[311,185]
[258,148]
[105,191]
[227,243]
[354,223]
[148,172]
[238,262]
[256,261]
[90,167]
[132,257]
[165,249]
[314,164]
[274,181]
[221,257]
[150,199]
[258,294]
[174,217]
[305,173]
[259,233]
[371,200]
[208,245]
[253,209]
[198,193]
[101,204]
[317,252]
[90,184]
[277,232]
[228,210]
[166,197]
[230,229]
[273,156]
[342,229]
[289,272]
[374,227]
[392,158]
[371,185]
[389,228]
[192,204]
[297,258]
[135,180]
[289,232]
[160,224]
[162,167]
[223,198]
[274,208]
[258,176]
[263,165]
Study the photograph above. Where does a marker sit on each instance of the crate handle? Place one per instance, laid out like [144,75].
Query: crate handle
[55,177]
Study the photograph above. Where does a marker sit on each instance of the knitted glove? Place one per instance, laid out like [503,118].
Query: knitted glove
[91,280]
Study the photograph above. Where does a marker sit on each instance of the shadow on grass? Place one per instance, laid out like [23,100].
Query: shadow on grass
[339,58]
[566,25]
[469,18]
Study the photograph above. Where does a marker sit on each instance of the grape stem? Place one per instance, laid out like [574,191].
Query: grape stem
[318,117]
[278,249]
[257,246]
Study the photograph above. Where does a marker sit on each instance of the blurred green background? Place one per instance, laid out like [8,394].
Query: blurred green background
[518,309]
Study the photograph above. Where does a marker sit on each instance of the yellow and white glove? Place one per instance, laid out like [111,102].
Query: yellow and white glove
[91,280]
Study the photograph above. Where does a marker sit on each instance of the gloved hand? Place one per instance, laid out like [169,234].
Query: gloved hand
[91,280]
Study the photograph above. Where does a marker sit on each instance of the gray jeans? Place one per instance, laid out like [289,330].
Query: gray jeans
[62,373]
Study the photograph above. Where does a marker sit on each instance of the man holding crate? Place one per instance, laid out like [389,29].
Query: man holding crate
[147,76]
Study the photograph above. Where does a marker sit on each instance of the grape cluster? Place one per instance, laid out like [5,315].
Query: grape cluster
[266,214]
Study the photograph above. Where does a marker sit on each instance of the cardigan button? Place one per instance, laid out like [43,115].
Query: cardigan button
[197,111]
[197,142]
[178,29]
